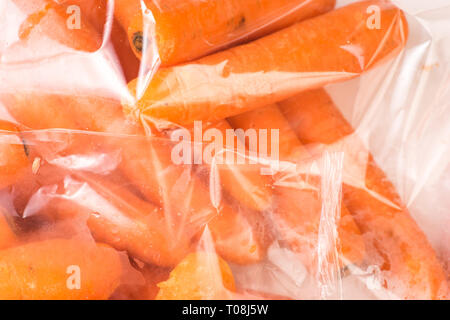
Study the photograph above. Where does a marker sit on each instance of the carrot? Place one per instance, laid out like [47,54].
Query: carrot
[239,178]
[93,11]
[13,158]
[96,13]
[190,29]
[114,214]
[46,18]
[128,61]
[119,218]
[43,270]
[7,235]
[148,165]
[393,240]
[153,275]
[140,163]
[181,193]
[200,276]
[255,295]
[239,236]
[272,68]
[297,211]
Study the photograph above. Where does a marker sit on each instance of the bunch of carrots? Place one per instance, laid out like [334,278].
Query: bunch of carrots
[94,207]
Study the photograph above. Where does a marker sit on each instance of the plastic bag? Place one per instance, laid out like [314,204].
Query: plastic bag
[223,149]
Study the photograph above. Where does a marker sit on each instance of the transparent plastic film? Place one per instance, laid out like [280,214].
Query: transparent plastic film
[224,149]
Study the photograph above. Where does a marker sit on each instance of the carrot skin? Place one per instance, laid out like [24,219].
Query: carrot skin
[39,271]
[29,111]
[392,238]
[147,163]
[200,276]
[13,159]
[297,211]
[179,190]
[93,10]
[141,163]
[211,24]
[96,13]
[49,19]
[239,178]
[153,275]
[272,68]
[7,235]
[126,223]
[270,118]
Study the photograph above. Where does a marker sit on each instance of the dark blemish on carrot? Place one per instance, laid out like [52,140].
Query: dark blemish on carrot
[138,40]
[241,22]
[25,147]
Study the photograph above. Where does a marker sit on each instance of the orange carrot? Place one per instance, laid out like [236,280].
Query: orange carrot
[141,163]
[270,118]
[148,290]
[96,13]
[93,11]
[239,236]
[119,218]
[147,163]
[46,18]
[255,295]
[182,194]
[393,240]
[47,270]
[304,56]
[141,159]
[200,276]
[128,61]
[298,211]
[153,275]
[7,235]
[13,158]
[186,30]
[114,214]
[239,178]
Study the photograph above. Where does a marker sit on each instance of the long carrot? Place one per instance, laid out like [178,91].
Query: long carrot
[270,118]
[128,61]
[297,211]
[96,13]
[181,192]
[393,240]
[333,47]
[119,218]
[200,276]
[187,30]
[13,159]
[147,163]
[142,163]
[43,270]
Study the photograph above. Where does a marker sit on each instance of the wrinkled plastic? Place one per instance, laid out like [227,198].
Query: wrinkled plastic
[224,150]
